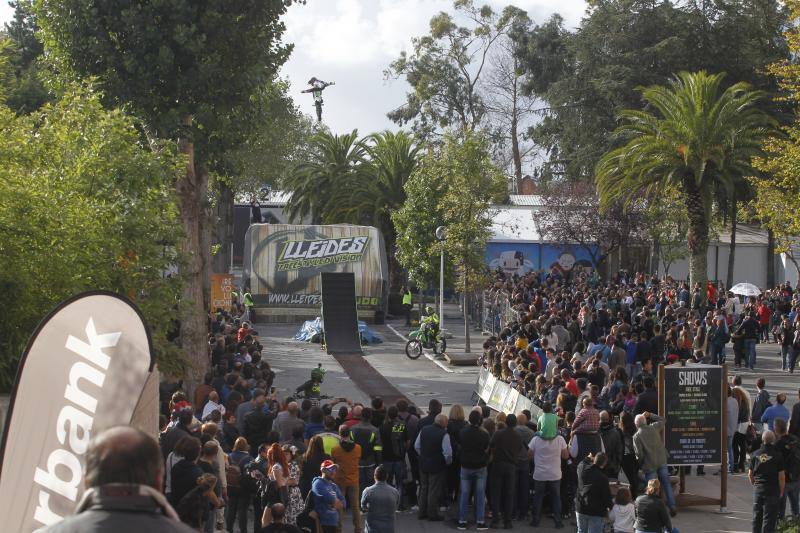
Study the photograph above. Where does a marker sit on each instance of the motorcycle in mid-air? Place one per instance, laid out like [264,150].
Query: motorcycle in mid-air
[425,338]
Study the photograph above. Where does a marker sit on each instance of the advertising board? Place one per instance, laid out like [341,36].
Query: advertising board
[283,262]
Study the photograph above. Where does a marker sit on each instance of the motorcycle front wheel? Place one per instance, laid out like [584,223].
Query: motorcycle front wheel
[440,346]
[413,349]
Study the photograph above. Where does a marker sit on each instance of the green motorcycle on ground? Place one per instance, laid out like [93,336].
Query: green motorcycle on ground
[424,338]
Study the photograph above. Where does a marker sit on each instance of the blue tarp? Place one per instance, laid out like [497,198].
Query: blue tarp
[311,331]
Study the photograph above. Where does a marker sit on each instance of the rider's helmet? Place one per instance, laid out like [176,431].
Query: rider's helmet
[318,374]
[428,310]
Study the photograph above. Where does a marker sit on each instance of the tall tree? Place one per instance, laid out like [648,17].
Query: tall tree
[83,205]
[461,181]
[27,91]
[333,161]
[587,76]
[185,67]
[446,68]
[697,138]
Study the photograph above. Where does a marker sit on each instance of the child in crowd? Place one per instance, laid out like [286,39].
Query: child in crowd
[623,514]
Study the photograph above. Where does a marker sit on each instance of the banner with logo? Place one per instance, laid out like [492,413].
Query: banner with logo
[84,370]
[500,396]
[282,263]
[221,288]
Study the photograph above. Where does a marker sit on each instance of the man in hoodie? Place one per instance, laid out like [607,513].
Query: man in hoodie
[369,438]
[594,494]
[347,455]
[328,499]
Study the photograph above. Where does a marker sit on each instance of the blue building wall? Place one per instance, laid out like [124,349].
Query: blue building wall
[520,258]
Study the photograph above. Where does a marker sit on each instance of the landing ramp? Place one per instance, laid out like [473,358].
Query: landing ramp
[339,313]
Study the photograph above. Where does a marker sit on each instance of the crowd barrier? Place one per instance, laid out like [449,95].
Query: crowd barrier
[501,397]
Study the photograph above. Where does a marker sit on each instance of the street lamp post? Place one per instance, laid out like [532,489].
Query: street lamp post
[440,235]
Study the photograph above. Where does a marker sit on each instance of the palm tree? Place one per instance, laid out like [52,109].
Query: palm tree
[313,183]
[697,140]
[372,193]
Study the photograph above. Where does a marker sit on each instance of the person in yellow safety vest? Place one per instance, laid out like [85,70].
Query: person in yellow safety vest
[430,323]
[330,437]
[408,302]
[247,299]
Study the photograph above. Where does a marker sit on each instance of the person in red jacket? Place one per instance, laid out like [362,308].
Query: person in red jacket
[764,313]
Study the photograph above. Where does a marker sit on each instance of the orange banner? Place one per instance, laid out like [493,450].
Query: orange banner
[221,287]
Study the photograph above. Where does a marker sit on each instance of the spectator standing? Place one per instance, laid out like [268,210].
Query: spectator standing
[768,478]
[394,436]
[630,465]
[652,454]
[435,453]
[369,438]
[522,491]
[238,497]
[287,421]
[474,459]
[379,503]
[593,499]
[775,411]
[794,423]
[732,421]
[749,329]
[547,455]
[328,499]
[612,444]
[789,446]
[186,472]
[761,403]
[651,514]
[504,445]
[347,456]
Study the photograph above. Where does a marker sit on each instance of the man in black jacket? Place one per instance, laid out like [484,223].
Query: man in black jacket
[124,475]
[749,329]
[612,443]
[505,445]
[258,424]
[474,458]
[594,495]
[647,400]
[435,453]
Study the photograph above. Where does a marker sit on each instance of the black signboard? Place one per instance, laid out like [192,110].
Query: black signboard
[693,412]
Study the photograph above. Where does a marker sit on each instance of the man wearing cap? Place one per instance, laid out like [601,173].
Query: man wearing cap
[328,499]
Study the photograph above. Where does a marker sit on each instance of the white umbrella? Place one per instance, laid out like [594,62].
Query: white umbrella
[745,289]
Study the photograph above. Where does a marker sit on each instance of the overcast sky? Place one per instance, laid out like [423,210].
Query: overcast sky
[351,42]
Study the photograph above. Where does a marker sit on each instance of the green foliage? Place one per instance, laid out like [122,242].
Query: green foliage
[698,139]
[168,59]
[453,186]
[27,91]
[446,68]
[334,160]
[666,223]
[83,206]
[587,77]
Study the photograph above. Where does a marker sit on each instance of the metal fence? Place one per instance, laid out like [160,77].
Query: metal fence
[495,311]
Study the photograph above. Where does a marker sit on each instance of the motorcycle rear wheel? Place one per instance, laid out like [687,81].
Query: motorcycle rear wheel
[413,349]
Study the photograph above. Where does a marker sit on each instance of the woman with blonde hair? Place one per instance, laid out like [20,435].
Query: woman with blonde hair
[652,515]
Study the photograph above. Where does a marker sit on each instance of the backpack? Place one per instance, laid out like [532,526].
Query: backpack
[233,475]
[270,493]
[398,438]
[250,478]
[304,520]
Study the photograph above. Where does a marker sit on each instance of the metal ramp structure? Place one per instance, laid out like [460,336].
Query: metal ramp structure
[339,313]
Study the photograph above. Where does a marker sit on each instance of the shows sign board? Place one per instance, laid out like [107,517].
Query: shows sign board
[221,288]
[694,414]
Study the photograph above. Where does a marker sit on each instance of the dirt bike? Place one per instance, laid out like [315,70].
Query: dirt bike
[424,338]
